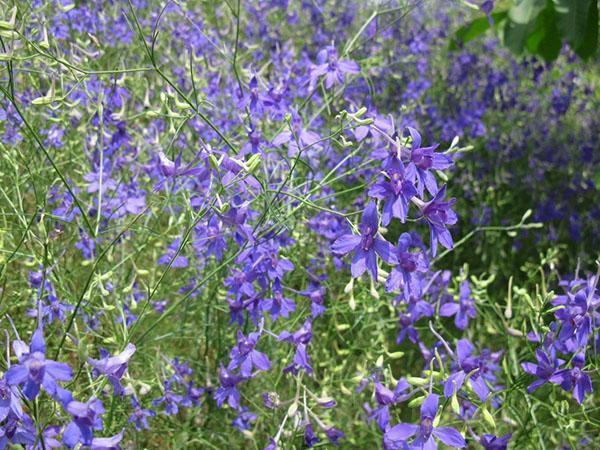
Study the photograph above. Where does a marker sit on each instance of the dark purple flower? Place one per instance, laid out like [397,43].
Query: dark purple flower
[467,364]
[244,419]
[86,418]
[405,275]
[574,379]
[366,246]
[439,214]
[310,438]
[422,161]
[547,365]
[228,391]
[179,261]
[395,192]
[425,432]
[491,442]
[246,357]
[334,435]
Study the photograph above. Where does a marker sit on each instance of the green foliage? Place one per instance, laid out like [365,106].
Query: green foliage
[540,27]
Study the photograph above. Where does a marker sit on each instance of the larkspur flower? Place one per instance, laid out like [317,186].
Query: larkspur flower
[228,391]
[422,161]
[113,367]
[332,68]
[547,365]
[463,310]
[34,370]
[140,416]
[366,246]
[395,437]
[245,357]
[491,442]
[574,379]
[395,191]
[468,365]
[411,265]
[86,419]
[439,214]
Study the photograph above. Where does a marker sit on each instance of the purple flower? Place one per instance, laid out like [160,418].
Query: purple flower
[544,370]
[405,274]
[574,379]
[334,435]
[365,246]
[438,214]
[113,367]
[244,419]
[139,416]
[422,161]
[10,402]
[491,442]
[332,68]
[466,364]
[278,306]
[228,390]
[246,357]
[173,168]
[297,139]
[86,418]
[396,436]
[395,192]
[463,309]
[310,438]
[34,370]
[171,254]
[170,399]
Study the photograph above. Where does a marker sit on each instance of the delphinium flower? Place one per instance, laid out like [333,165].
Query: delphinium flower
[316,295]
[170,168]
[228,391]
[278,305]
[385,397]
[310,438]
[170,399]
[574,379]
[140,416]
[406,275]
[547,365]
[171,257]
[395,437]
[463,310]
[113,367]
[245,357]
[332,68]
[18,431]
[244,419]
[439,214]
[297,139]
[253,99]
[491,442]
[10,401]
[395,190]
[579,307]
[300,338]
[422,161]
[468,365]
[366,246]
[34,370]
[86,419]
